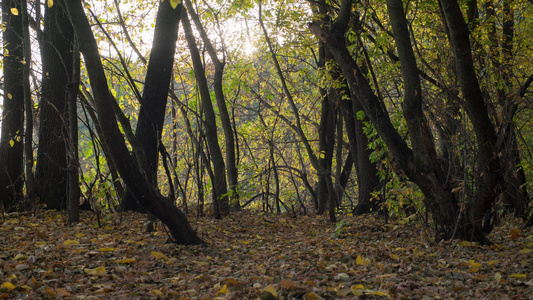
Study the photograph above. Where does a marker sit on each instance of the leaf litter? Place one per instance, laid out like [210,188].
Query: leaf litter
[257,256]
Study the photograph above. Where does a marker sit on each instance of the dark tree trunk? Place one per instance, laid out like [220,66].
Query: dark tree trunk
[52,170]
[144,191]
[11,140]
[231,163]
[487,183]
[155,92]
[220,186]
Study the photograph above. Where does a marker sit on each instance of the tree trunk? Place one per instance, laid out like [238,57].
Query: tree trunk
[73,160]
[11,143]
[144,192]
[220,200]
[231,164]
[52,169]
[489,178]
[155,92]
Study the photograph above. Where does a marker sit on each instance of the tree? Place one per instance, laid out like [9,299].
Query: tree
[56,54]
[11,140]
[143,190]
[220,187]
[155,92]
[231,164]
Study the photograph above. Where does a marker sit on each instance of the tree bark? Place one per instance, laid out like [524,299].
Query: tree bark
[144,192]
[11,142]
[52,169]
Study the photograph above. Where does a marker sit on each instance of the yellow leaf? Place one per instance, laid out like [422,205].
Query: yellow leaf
[15,12]
[8,285]
[80,234]
[271,290]
[125,260]
[11,143]
[360,261]
[223,290]
[313,296]
[107,249]
[244,242]
[70,243]
[50,3]
[525,251]
[498,276]
[159,255]
[519,276]
[394,256]
[376,293]
[158,293]
[174,3]
[96,271]
[358,287]
[474,264]
[9,96]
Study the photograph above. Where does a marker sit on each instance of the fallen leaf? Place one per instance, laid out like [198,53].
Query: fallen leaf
[70,243]
[100,271]
[8,285]
[125,260]
[313,296]
[159,255]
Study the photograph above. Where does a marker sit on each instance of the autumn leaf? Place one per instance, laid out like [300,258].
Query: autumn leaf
[313,296]
[515,233]
[360,261]
[100,271]
[8,285]
[159,255]
[125,261]
[15,12]
[50,3]
[107,249]
[518,276]
[70,243]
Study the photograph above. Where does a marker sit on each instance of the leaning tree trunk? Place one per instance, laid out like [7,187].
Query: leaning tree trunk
[155,92]
[11,142]
[144,192]
[52,169]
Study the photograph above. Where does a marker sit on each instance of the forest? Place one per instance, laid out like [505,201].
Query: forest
[259,149]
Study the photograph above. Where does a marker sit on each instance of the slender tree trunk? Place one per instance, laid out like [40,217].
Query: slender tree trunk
[11,143]
[231,164]
[220,200]
[73,160]
[28,110]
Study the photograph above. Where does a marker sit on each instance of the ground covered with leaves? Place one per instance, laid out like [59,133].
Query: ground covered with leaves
[257,256]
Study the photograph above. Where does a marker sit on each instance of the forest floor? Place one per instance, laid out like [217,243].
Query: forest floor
[257,256]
